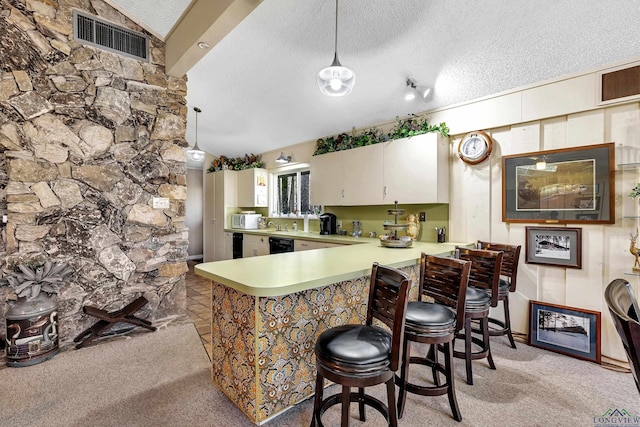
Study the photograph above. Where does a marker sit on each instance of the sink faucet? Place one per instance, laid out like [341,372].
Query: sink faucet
[276,226]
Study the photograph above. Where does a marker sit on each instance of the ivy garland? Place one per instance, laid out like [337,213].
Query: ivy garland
[404,128]
[249,161]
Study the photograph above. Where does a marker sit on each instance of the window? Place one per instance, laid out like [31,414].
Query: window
[291,195]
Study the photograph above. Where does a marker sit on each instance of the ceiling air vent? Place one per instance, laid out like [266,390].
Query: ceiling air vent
[96,32]
[620,84]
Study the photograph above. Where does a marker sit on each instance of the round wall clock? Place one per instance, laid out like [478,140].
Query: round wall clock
[475,147]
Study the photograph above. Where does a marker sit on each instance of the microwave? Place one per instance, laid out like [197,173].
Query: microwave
[245,221]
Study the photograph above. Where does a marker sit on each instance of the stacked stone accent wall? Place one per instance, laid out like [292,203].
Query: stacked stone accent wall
[87,139]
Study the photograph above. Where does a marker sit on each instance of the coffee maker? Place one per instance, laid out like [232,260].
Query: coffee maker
[327,223]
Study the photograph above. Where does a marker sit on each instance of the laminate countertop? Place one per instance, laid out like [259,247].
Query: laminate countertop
[286,273]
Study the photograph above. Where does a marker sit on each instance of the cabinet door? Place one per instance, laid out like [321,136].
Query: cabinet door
[362,174]
[252,188]
[254,245]
[228,245]
[208,217]
[326,179]
[416,169]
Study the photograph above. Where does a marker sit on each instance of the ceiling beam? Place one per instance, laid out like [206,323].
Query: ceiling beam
[204,21]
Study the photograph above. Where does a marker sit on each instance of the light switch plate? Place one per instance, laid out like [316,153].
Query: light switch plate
[161,203]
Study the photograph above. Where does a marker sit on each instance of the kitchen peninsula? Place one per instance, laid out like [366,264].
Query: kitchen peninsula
[267,312]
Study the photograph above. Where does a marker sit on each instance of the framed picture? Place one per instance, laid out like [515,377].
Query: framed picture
[567,330]
[560,246]
[569,185]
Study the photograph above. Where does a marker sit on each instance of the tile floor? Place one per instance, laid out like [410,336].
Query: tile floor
[199,305]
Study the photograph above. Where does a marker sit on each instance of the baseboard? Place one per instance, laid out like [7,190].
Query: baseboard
[192,257]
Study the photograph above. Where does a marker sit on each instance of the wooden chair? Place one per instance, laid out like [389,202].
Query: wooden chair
[625,312]
[365,355]
[482,293]
[509,274]
[434,319]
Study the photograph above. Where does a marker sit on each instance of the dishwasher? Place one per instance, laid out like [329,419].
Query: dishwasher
[237,245]
[278,245]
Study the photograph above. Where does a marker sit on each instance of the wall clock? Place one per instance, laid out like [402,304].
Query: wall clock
[475,147]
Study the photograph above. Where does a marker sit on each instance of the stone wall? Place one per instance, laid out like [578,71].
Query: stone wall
[87,139]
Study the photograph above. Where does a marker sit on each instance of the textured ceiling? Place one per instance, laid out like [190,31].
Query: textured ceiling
[257,88]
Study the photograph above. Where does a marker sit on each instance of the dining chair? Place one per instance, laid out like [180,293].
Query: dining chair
[434,320]
[623,306]
[482,293]
[508,276]
[365,355]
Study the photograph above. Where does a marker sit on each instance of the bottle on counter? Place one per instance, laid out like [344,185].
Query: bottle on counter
[295,226]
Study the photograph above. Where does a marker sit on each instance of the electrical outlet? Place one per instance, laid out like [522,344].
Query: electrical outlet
[339,223]
[423,216]
[161,203]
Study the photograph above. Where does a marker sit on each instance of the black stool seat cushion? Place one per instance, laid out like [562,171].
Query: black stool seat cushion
[477,299]
[503,288]
[354,345]
[430,317]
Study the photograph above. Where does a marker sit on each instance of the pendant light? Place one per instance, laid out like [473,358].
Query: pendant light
[195,154]
[336,80]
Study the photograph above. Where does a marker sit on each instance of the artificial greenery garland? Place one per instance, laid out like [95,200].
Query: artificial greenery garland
[236,163]
[404,128]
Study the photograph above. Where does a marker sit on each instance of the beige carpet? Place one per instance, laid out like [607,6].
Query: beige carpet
[163,379]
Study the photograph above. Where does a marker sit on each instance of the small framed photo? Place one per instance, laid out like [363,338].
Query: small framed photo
[559,246]
[567,330]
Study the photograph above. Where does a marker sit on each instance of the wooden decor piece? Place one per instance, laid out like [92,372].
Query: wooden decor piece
[108,319]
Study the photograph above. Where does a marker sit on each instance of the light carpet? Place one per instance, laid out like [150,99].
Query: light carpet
[162,378]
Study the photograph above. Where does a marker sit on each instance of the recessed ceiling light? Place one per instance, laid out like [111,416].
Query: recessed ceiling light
[203,45]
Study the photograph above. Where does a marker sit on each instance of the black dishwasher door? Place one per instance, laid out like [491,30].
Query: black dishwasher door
[278,245]
[237,245]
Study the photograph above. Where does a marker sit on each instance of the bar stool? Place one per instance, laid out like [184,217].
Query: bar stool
[365,355]
[482,293]
[508,273]
[444,282]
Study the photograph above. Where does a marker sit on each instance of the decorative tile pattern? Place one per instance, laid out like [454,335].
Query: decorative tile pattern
[283,330]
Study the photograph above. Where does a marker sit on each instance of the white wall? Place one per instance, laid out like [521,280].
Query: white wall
[193,215]
[556,115]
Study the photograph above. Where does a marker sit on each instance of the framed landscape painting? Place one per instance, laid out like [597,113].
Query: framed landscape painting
[558,246]
[569,185]
[567,330]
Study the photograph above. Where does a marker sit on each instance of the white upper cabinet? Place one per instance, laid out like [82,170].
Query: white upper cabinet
[252,188]
[416,169]
[409,170]
[326,179]
[362,176]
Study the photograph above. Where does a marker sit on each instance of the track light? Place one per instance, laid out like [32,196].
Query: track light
[414,90]
[282,158]
[195,154]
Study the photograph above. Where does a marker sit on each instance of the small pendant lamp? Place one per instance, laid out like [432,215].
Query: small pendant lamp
[195,154]
[336,80]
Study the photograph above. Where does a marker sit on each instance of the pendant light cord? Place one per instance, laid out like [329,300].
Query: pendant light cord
[197,110]
[335,47]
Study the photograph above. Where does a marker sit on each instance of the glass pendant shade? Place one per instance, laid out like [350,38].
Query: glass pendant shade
[336,80]
[195,154]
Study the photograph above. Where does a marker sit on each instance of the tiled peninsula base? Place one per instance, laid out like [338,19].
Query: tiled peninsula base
[263,347]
